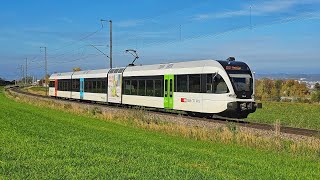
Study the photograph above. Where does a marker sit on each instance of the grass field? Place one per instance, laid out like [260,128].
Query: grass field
[289,114]
[44,143]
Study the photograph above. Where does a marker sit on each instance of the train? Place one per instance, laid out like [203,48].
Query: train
[201,87]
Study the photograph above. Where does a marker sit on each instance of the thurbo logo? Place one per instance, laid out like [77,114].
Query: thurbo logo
[187,100]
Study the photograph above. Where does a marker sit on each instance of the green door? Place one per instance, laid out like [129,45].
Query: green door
[168,91]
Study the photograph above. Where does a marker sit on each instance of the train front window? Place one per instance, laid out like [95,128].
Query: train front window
[242,83]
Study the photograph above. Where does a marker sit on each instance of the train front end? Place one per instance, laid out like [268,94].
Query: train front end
[243,85]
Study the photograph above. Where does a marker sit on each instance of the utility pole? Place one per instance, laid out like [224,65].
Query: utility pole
[25,79]
[250,15]
[110,46]
[19,74]
[45,68]
[22,74]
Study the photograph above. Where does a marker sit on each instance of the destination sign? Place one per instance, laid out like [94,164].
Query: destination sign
[233,68]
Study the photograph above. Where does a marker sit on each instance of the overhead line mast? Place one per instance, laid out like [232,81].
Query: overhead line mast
[26,77]
[110,46]
[45,68]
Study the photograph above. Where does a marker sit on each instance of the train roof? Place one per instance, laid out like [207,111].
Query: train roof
[65,75]
[91,73]
[154,69]
[168,68]
[81,74]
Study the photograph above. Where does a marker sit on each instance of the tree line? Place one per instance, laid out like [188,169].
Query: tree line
[3,82]
[286,90]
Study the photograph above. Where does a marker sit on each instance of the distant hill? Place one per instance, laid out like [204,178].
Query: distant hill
[304,77]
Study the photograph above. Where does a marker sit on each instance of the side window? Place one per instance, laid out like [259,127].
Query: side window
[51,84]
[75,85]
[182,83]
[166,88]
[149,88]
[194,83]
[220,85]
[158,90]
[127,87]
[134,85]
[104,85]
[94,85]
[142,88]
[86,85]
[209,85]
[216,84]
[99,86]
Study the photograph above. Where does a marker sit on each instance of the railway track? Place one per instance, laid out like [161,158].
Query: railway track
[221,120]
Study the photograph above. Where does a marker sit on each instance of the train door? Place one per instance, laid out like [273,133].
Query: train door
[168,91]
[81,88]
[114,87]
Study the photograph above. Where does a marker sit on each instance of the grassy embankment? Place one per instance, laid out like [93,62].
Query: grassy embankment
[38,142]
[36,90]
[289,114]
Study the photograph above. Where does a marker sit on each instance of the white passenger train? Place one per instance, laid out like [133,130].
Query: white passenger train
[204,87]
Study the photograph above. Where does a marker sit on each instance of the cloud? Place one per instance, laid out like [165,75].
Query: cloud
[263,8]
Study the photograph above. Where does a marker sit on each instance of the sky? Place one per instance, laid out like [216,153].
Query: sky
[274,36]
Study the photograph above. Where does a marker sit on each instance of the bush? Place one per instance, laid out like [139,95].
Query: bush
[315,96]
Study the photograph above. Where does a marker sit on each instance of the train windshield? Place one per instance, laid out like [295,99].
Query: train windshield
[243,85]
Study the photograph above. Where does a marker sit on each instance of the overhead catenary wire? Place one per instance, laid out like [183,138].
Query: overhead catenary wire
[161,42]
[245,27]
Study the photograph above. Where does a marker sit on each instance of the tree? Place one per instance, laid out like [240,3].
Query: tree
[317,87]
[76,69]
[315,96]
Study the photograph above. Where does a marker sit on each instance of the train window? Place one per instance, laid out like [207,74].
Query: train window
[171,88]
[76,85]
[134,85]
[150,88]
[182,83]
[209,86]
[220,85]
[60,85]
[88,85]
[166,88]
[99,86]
[194,83]
[142,88]
[104,85]
[51,84]
[216,84]
[94,86]
[158,88]
[64,85]
[127,87]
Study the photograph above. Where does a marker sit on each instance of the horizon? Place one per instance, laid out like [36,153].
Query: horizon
[272,37]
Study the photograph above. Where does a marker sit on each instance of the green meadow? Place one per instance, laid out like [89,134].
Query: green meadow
[41,143]
[301,115]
